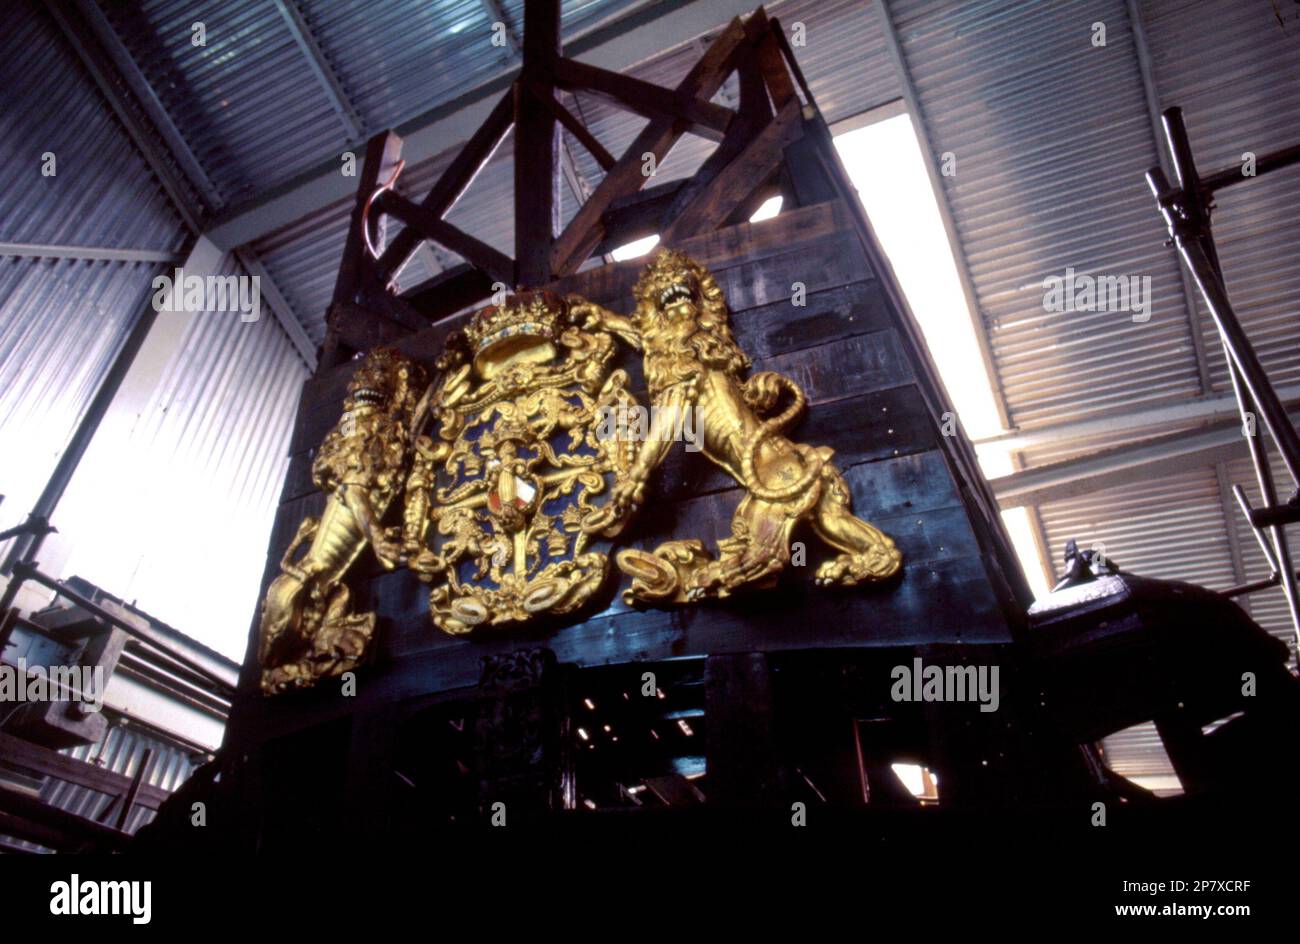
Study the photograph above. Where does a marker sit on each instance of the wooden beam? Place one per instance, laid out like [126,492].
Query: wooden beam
[41,760]
[711,207]
[537,146]
[450,291]
[460,173]
[772,65]
[585,230]
[637,215]
[576,127]
[383,152]
[645,98]
[432,226]
[77,829]
[356,268]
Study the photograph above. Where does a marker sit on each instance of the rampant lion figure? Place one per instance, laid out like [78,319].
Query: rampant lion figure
[682,326]
[307,629]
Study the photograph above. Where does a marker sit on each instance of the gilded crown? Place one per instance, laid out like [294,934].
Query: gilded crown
[525,315]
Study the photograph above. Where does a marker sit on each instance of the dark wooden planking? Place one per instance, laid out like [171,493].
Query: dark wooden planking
[801,229]
[846,313]
[360,329]
[715,201]
[941,601]
[818,260]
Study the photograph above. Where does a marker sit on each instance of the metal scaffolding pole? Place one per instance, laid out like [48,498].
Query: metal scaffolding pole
[1186,208]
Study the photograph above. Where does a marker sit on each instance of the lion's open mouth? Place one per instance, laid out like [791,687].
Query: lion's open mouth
[675,293]
[368,395]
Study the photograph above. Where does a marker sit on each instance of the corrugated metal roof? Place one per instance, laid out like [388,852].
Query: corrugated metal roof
[1239,87]
[99,175]
[1051,137]
[247,102]
[252,109]
[396,60]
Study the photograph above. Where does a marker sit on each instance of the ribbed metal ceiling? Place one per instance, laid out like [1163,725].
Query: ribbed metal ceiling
[1239,86]
[1051,137]
[247,103]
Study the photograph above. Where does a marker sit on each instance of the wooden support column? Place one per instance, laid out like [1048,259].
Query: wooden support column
[522,747]
[537,145]
[743,766]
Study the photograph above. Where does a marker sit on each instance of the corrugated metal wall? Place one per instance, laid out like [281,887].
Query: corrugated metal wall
[1239,87]
[1052,136]
[194,481]
[193,485]
[62,320]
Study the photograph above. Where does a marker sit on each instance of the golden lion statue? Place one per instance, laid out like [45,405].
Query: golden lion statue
[307,629]
[682,326]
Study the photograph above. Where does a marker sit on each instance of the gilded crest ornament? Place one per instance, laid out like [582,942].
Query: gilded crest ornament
[308,630]
[500,492]
[520,475]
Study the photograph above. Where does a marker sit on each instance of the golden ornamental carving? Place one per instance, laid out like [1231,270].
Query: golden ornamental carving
[308,630]
[506,477]
[502,491]
[681,324]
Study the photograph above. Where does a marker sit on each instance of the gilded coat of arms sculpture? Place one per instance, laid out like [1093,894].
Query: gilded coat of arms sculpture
[500,498]
[308,630]
[520,476]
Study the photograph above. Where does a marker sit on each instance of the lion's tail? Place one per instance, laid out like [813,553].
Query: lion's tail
[761,392]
